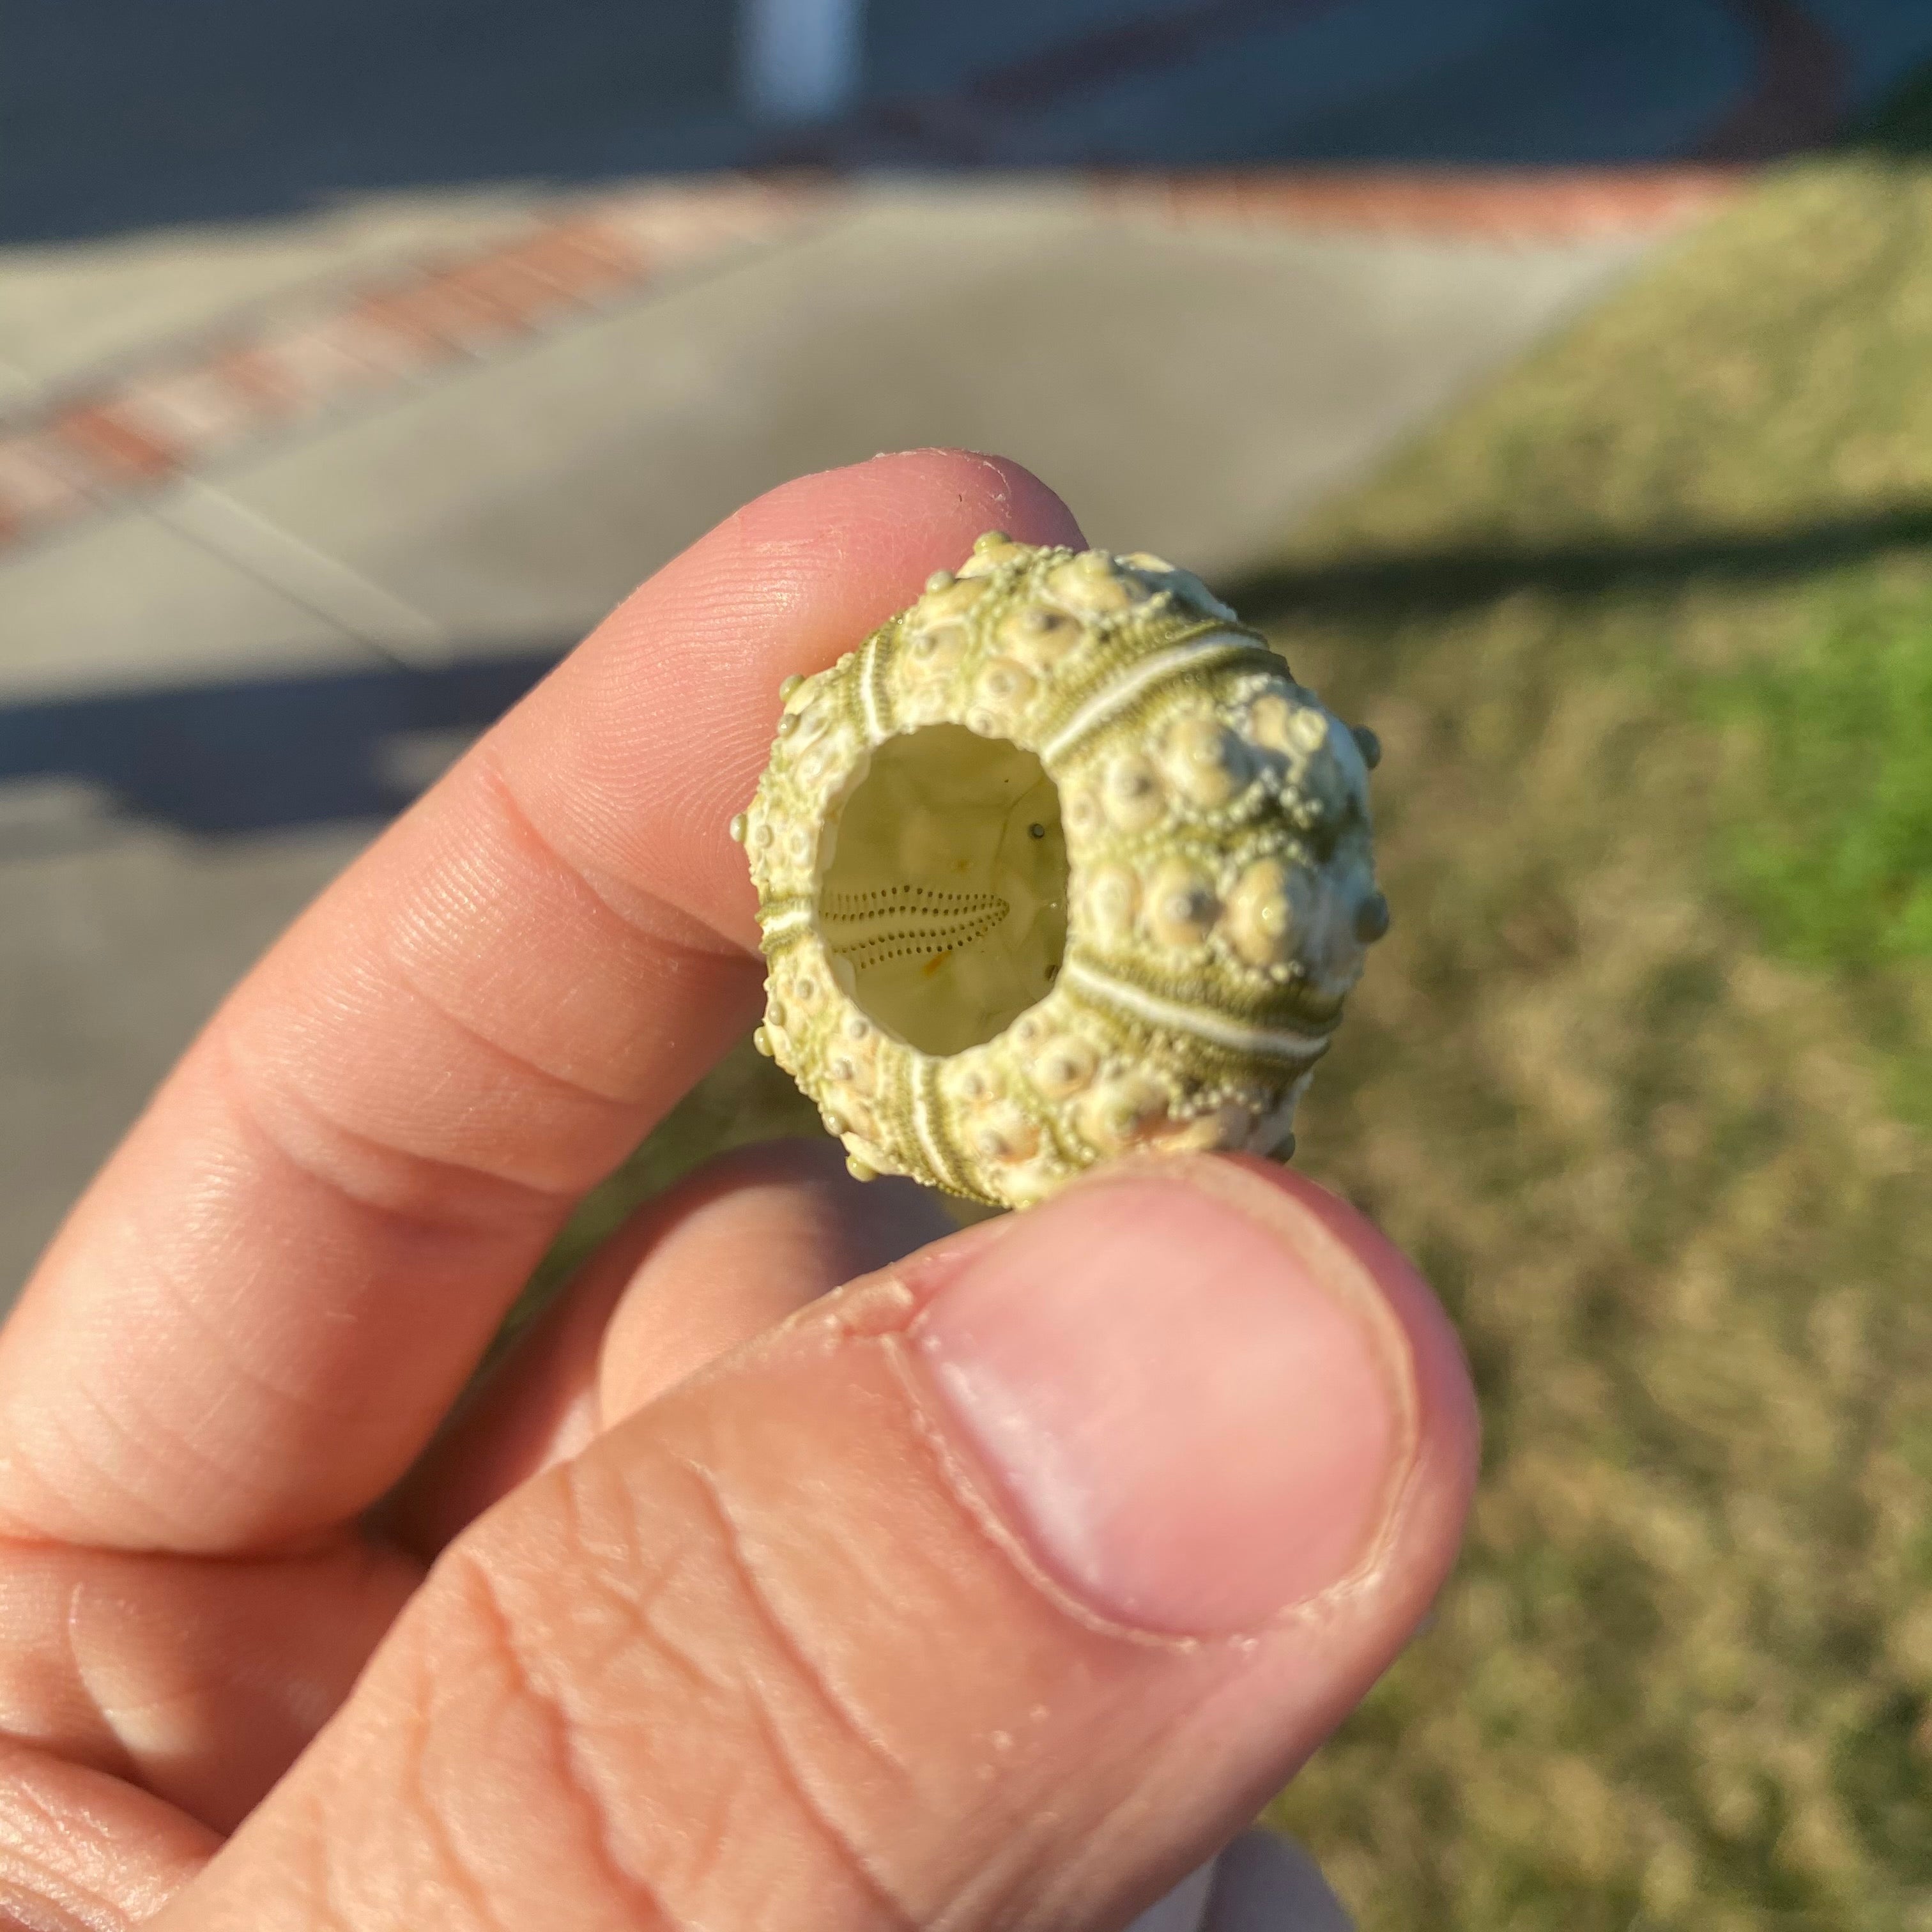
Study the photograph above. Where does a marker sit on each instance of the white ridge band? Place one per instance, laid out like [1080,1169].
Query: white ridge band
[922,1074]
[1269,1042]
[1143,677]
[782,925]
[868,694]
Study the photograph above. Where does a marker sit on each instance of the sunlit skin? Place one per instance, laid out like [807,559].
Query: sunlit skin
[794,1641]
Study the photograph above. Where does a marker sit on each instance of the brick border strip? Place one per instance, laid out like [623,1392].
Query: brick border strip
[1527,208]
[90,448]
[121,435]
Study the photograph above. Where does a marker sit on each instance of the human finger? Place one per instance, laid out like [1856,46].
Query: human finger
[729,1252]
[996,1591]
[82,1851]
[198,1683]
[253,1323]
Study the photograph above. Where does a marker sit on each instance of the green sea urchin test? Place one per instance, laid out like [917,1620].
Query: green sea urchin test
[1060,864]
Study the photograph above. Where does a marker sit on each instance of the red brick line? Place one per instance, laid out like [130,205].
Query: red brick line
[189,406]
[1523,207]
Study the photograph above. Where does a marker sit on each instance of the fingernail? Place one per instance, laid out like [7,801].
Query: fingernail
[1191,1430]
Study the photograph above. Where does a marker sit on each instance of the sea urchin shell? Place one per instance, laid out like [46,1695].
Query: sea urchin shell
[1059,864]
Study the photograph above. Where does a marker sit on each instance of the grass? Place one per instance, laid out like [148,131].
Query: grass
[1835,855]
[1828,842]
[1644,631]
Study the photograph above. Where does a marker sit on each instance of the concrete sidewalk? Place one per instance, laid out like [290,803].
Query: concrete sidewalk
[213,686]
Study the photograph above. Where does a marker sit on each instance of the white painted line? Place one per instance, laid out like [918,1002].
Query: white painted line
[353,603]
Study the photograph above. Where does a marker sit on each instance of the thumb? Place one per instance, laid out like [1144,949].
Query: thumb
[995,1591]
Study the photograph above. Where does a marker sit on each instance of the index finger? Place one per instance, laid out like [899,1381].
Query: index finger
[253,1321]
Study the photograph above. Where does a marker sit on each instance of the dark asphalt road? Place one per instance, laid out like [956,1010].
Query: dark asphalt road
[125,114]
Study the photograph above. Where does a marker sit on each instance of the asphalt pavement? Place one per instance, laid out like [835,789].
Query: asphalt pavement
[121,114]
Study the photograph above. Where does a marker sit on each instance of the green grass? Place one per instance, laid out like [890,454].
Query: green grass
[1832,851]
[1827,842]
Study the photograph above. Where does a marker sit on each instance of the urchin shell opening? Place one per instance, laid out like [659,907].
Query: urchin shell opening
[943,900]
[991,1016]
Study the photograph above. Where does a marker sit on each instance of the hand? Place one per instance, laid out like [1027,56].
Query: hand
[996,1589]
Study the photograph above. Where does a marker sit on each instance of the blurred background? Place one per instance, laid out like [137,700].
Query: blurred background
[1554,382]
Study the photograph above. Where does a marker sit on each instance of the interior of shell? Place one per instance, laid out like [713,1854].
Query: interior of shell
[944,896]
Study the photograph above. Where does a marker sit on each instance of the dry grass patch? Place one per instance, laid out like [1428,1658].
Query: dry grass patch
[1658,1170]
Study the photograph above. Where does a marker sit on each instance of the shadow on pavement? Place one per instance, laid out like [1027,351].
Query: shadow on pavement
[1423,583]
[123,114]
[272,752]
[258,754]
